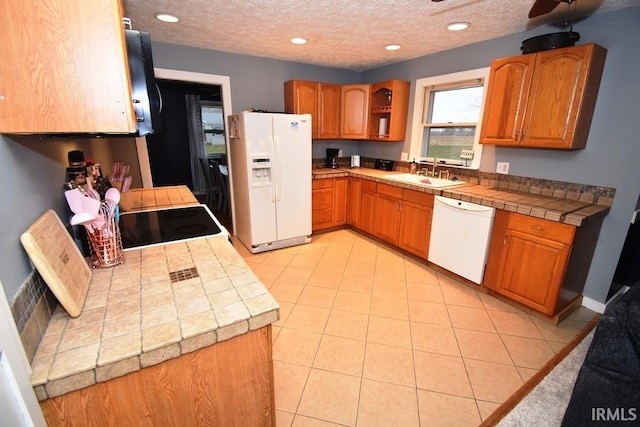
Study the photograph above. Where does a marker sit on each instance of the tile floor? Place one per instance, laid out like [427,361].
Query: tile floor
[369,337]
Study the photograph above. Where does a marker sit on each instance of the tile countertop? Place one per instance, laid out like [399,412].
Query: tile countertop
[573,211]
[162,302]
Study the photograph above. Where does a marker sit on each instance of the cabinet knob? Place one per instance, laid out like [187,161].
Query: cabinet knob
[537,227]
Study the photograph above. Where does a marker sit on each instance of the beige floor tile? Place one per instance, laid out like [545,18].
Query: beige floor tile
[338,251]
[295,275]
[424,292]
[475,319]
[383,330]
[389,364]
[330,396]
[360,268]
[289,381]
[564,332]
[557,346]
[390,271]
[275,330]
[437,409]
[325,279]
[355,302]
[434,339]
[441,373]
[347,325]
[302,261]
[528,352]
[317,296]
[279,258]
[382,404]
[420,274]
[302,421]
[356,283]
[517,324]
[342,355]
[332,265]
[429,312]
[312,251]
[486,408]
[493,303]
[384,306]
[492,382]
[458,294]
[307,318]
[486,346]
[363,253]
[286,291]
[389,287]
[284,419]
[268,272]
[526,373]
[285,310]
[582,314]
[297,347]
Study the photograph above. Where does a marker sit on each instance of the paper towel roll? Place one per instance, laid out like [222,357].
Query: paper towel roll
[382,127]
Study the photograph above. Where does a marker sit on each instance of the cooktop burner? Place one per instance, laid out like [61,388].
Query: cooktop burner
[144,228]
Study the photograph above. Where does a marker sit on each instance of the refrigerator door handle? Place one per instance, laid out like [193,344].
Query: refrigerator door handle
[276,169]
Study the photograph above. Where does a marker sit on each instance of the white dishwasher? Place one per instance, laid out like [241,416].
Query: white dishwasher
[460,235]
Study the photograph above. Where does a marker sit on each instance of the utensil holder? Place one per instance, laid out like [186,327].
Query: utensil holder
[105,245]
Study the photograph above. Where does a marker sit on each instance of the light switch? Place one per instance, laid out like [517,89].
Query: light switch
[503,168]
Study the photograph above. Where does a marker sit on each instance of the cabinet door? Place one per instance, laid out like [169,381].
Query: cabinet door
[301,97]
[321,204]
[507,90]
[353,205]
[367,211]
[556,98]
[536,282]
[328,126]
[387,219]
[354,122]
[64,68]
[415,229]
[339,201]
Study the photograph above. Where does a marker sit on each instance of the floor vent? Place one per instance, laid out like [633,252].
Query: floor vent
[186,274]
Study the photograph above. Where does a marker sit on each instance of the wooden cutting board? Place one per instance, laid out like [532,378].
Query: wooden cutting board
[59,261]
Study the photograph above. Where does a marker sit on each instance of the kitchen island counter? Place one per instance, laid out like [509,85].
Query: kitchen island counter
[162,303]
[569,207]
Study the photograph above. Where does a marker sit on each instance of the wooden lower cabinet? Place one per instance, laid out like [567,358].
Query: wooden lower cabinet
[539,263]
[328,203]
[227,384]
[354,191]
[388,211]
[367,206]
[415,222]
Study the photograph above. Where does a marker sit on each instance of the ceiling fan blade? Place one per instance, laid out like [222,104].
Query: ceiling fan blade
[540,7]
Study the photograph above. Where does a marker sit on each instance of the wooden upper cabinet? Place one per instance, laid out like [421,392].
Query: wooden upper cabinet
[64,68]
[354,122]
[544,99]
[321,100]
[389,103]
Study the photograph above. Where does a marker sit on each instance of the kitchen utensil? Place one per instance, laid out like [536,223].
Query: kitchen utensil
[126,184]
[91,205]
[93,193]
[74,200]
[59,261]
[112,194]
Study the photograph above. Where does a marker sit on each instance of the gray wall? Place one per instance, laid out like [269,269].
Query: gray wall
[33,180]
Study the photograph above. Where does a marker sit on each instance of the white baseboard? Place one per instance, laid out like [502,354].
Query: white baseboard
[599,307]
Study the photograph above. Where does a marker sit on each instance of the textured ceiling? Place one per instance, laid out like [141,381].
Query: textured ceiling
[347,34]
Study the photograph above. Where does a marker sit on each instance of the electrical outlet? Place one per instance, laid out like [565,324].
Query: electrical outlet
[404,156]
[503,168]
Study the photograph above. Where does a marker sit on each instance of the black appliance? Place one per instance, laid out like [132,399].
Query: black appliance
[146,95]
[144,228]
[332,158]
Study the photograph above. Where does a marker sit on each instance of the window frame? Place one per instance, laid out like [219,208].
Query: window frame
[420,110]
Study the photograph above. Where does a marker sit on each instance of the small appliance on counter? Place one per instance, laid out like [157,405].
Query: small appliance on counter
[355,161]
[332,158]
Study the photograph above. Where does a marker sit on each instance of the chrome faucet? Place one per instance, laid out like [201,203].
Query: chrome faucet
[434,172]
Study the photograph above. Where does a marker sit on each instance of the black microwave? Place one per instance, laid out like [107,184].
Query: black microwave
[145,93]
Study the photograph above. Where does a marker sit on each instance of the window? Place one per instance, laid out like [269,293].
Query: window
[213,128]
[447,115]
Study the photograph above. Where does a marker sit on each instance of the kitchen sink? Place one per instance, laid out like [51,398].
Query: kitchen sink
[425,181]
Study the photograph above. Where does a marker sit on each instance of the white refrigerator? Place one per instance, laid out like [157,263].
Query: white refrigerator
[270,156]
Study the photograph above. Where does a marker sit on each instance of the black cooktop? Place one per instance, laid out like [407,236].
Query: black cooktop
[166,225]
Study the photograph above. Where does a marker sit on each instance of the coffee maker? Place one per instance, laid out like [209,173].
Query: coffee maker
[332,158]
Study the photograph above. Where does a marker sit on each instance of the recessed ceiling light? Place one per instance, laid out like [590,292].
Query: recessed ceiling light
[298,40]
[457,26]
[166,17]
[392,47]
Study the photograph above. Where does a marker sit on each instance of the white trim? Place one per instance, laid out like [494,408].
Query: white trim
[418,107]
[599,307]
[227,110]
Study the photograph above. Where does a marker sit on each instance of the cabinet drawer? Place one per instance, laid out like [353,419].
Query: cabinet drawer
[555,231]
[321,218]
[418,197]
[322,199]
[368,185]
[321,183]
[389,190]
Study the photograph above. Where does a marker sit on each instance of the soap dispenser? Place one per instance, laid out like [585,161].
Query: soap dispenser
[413,168]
